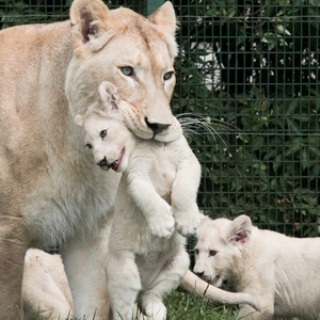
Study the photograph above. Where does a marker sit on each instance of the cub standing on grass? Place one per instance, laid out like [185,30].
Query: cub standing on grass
[155,207]
[282,272]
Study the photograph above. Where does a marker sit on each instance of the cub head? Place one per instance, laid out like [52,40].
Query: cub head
[219,248]
[135,53]
[104,131]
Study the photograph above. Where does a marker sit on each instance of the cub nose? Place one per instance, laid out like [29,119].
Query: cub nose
[199,274]
[156,127]
[103,162]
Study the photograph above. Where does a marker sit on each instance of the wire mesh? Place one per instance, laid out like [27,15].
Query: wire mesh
[248,73]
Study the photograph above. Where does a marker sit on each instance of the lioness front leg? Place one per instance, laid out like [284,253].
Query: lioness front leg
[12,252]
[123,283]
[85,268]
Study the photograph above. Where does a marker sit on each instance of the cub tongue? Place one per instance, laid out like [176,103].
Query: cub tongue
[115,165]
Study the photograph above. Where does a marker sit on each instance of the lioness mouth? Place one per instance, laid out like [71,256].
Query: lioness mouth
[116,164]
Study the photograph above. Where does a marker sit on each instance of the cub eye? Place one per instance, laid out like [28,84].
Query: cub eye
[103,133]
[127,71]
[88,145]
[196,251]
[212,253]
[168,75]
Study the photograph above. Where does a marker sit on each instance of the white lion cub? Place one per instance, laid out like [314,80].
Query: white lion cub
[282,272]
[155,207]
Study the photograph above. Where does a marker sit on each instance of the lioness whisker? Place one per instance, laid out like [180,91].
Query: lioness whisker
[191,123]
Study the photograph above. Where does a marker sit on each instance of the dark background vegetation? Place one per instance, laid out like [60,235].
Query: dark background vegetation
[250,69]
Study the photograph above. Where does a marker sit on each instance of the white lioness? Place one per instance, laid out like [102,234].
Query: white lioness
[281,271]
[51,192]
[157,194]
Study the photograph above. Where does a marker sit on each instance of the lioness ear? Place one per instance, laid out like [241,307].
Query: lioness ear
[165,18]
[108,95]
[240,230]
[79,120]
[91,22]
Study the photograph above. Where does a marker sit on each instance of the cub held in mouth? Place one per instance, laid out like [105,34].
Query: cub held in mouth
[155,206]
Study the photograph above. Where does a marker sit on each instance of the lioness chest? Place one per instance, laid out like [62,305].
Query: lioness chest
[71,202]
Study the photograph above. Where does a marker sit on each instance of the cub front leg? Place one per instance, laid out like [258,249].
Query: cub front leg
[123,283]
[156,210]
[184,196]
[265,294]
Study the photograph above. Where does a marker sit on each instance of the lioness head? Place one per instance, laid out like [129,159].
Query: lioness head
[220,247]
[135,53]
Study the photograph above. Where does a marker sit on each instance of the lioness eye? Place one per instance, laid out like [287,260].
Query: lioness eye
[127,71]
[88,145]
[168,75]
[212,253]
[103,133]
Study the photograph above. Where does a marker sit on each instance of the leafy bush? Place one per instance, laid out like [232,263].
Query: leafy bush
[251,68]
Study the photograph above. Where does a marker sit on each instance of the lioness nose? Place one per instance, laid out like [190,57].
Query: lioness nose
[103,162]
[156,127]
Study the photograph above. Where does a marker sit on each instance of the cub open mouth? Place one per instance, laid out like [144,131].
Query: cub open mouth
[215,280]
[115,165]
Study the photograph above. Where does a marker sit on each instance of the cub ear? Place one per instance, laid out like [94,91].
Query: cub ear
[165,18]
[240,231]
[79,120]
[91,23]
[108,95]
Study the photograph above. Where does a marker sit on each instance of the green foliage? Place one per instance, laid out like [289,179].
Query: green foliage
[263,105]
[26,12]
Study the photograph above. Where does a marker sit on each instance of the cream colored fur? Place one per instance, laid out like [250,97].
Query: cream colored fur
[45,289]
[281,271]
[157,196]
[51,191]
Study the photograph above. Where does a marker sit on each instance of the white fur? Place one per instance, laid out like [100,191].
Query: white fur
[45,287]
[157,193]
[280,271]
[52,192]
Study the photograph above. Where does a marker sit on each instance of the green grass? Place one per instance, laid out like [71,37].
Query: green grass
[186,306]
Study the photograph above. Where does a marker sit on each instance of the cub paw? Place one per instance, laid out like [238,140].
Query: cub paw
[156,311]
[162,224]
[187,221]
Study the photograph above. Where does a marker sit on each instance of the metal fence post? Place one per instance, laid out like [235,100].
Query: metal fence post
[152,5]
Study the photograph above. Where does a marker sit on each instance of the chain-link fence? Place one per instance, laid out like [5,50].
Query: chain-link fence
[248,72]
